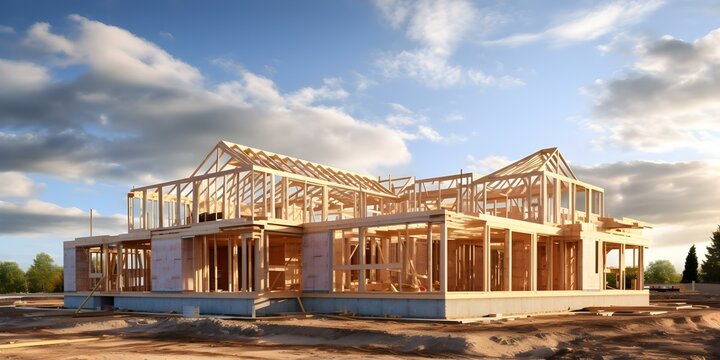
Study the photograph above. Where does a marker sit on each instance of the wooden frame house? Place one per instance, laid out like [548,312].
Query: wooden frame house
[253,233]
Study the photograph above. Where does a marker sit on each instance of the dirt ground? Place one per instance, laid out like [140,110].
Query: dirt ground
[679,334]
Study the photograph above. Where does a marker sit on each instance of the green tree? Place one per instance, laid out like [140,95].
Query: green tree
[58,280]
[711,265]
[12,278]
[42,275]
[690,273]
[659,272]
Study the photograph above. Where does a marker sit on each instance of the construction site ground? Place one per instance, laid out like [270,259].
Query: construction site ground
[27,332]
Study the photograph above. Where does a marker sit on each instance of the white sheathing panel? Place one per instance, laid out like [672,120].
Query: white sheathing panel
[590,279]
[69,269]
[316,262]
[167,265]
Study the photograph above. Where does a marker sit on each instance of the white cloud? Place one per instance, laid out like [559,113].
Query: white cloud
[36,217]
[487,164]
[4,29]
[16,184]
[438,26]
[109,49]
[429,133]
[166,35]
[363,83]
[19,78]
[679,199]
[330,90]
[586,25]
[454,117]
[666,101]
[157,117]
[394,11]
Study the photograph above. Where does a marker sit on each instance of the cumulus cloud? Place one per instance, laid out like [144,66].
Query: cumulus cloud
[4,29]
[135,111]
[679,199]
[35,217]
[415,126]
[16,184]
[588,24]
[20,78]
[666,101]
[487,164]
[438,27]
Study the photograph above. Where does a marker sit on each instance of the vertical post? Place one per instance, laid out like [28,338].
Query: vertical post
[215,264]
[238,208]
[484,193]
[641,269]
[161,210]
[178,204]
[119,260]
[206,265]
[324,203]
[252,196]
[601,263]
[304,207]
[273,209]
[486,258]
[443,256]
[361,259]
[572,201]
[529,198]
[556,200]
[265,194]
[507,273]
[551,262]
[196,198]
[430,257]
[588,205]
[285,195]
[106,266]
[622,266]
[533,262]
[563,264]
[266,260]
[231,264]
[543,198]
[257,286]
[144,211]
[244,258]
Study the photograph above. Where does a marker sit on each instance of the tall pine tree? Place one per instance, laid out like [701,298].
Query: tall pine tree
[690,273]
[711,265]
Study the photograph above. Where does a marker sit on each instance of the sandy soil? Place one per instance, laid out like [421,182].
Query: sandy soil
[681,334]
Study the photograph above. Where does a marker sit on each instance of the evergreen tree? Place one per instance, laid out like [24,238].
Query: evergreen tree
[690,273]
[711,265]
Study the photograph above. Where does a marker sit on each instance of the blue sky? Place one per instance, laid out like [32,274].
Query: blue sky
[98,96]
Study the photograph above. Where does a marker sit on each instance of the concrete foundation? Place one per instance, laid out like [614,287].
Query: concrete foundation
[454,306]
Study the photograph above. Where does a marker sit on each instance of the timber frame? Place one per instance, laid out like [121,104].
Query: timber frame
[255,224]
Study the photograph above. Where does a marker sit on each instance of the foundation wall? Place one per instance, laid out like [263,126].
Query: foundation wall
[208,306]
[381,307]
[498,304]
[461,306]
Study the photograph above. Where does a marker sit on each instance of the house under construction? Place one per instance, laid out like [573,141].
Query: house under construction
[255,233]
